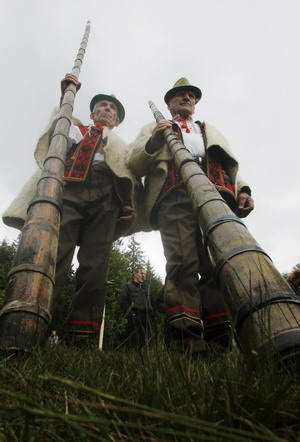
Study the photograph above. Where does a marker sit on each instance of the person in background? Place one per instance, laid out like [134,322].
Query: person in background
[53,338]
[136,305]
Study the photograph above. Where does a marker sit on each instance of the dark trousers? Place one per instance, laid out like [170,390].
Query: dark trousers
[194,307]
[138,328]
[89,219]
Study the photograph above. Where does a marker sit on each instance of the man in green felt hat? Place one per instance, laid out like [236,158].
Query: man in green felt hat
[196,316]
[98,206]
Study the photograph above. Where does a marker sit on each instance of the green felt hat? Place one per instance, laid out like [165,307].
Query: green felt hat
[183,83]
[99,97]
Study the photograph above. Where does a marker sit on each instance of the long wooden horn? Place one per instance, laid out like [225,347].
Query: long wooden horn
[264,309]
[26,313]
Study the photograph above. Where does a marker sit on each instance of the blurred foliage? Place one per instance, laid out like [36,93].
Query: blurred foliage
[286,274]
[119,273]
[7,253]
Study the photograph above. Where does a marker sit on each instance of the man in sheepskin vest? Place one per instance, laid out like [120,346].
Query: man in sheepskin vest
[98,201]
[196,316]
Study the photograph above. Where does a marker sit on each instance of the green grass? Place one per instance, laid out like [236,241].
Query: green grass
[66,394]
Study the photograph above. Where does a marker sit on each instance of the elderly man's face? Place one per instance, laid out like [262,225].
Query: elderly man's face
[106,113]
[182,103]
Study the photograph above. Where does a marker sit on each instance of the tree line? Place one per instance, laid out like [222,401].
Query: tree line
[123,260]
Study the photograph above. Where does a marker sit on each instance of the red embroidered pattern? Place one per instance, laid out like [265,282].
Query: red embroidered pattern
[183,307]
[217,315]
[81,155]
[97,324]
[215,172]
[217,175]
[183,124]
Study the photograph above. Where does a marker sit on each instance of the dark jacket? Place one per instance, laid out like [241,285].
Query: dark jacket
[134,297]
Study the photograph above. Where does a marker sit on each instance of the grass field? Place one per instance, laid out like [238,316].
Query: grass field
[67,394]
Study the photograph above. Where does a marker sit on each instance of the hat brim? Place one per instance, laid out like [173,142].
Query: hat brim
[172,92]
[100,97]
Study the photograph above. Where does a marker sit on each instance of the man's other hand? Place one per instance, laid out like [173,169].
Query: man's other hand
[127,214]
[245,205]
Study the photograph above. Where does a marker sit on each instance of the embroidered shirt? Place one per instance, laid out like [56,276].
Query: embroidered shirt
[192,137]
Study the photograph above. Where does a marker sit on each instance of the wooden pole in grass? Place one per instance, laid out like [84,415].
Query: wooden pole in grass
[264,309]
[25,316]
[101,336]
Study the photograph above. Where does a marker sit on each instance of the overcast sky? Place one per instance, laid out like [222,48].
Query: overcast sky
[243,54]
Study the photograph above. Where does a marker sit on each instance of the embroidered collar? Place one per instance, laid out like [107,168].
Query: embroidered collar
[186,124]
[178,118]
[97,126]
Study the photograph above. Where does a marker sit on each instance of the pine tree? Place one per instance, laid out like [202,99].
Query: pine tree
[154,283]
[61,312]
[134,254]
[155,293]
[119,274]
[7,254]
